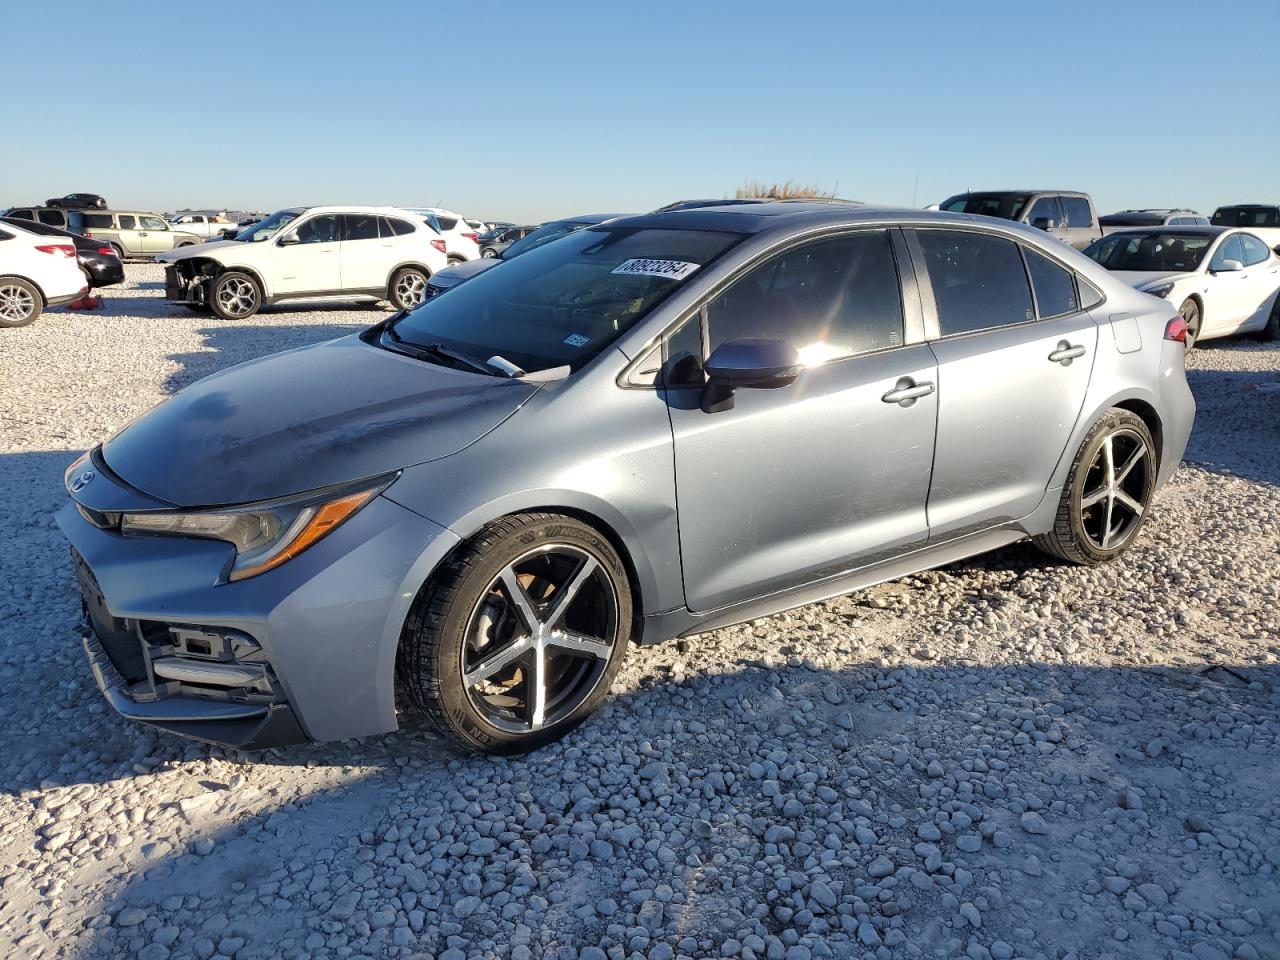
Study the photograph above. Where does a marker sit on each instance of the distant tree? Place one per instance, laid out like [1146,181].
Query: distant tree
[787,190]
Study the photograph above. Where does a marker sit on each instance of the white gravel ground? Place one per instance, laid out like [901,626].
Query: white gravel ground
[1006,758]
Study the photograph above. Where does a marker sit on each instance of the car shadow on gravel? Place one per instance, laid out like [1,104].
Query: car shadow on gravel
[1022,804]
[232,344]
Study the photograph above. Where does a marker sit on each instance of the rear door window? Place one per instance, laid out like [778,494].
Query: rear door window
[1054,286]
[979,282]
[127,221]
[359,226]
[1255,251]
[1076,212]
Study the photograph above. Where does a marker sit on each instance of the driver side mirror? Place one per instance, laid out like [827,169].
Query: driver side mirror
[288,240]
[1228,266]
[1044,223]
[757,364]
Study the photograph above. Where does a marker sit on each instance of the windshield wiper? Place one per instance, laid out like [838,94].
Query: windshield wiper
[439,351]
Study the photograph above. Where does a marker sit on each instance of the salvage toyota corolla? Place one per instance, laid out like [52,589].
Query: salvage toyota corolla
[650,428]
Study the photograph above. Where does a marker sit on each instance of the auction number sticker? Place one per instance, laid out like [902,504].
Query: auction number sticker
[576,340]
[671,269]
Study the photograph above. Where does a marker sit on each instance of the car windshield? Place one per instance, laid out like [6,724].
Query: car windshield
[564,303]
[1163,252]
[268,227]
[1006,206]
[544,234]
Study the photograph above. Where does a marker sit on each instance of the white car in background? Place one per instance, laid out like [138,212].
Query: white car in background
[306,253]
[203,224]
[1260,219]
[35,272]
[1224,281]
[461,240]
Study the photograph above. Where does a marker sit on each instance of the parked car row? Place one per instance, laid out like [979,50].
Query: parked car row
[36,271]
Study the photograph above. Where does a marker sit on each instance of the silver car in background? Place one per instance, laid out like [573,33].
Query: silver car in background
[648,428]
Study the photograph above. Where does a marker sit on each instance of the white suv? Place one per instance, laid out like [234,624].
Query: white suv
[349,253]
[35,272]
[462,241]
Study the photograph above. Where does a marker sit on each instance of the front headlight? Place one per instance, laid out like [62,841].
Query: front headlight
[1160,289]
[264,534]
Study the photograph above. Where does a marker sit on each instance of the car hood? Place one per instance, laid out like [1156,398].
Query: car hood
[307,418]
[1143,278]
[200,249]
[452,276]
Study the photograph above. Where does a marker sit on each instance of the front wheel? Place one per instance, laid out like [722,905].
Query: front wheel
[1108,492]
[20,302]
[519,637]
[1190,311]
[408,288]
[489,253]
[235,296]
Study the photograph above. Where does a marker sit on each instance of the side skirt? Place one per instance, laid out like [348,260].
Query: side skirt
[682,622]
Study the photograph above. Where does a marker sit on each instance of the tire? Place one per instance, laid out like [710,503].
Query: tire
[1271,331]
[1190,311]
[454,259]
[235,295]
[1086,532]
[408,288]
[489,253]
[20,302]
[467,608]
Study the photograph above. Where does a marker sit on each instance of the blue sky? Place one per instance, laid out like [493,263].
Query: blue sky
[534,110]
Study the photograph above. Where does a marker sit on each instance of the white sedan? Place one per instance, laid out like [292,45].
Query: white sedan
[1225,281]
[36,272]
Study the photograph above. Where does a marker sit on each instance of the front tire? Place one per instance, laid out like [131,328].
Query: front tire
[20,302]
[1108,492]
[1190,311]
[517,639]
[408,288]
[489,253]
[235,296]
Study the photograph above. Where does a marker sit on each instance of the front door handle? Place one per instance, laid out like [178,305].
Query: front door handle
[906,392]
[1066,352]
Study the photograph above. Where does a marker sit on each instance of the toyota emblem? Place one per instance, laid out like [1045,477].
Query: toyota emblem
[82,481]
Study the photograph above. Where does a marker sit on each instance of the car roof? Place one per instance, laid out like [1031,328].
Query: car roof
[792,214]
[1249,206]
[1004,193]
[1200,229]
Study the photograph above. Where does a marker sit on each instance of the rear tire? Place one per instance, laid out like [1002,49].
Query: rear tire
[454,259]
[1190,311]
[506,672]
[235,295]
[1271,331]
[408,288]
[20,302]
[1108,492]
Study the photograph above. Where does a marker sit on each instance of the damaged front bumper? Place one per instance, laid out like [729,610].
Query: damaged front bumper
[186,282]
[302,652]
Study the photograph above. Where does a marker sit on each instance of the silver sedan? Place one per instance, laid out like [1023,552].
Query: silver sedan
[649,428]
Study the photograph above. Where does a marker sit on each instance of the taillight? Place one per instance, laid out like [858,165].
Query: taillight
[438,244]
[66,249]
[473,237]
[107,251]
[1176,329]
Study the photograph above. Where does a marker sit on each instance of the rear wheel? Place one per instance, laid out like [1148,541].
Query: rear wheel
[1108,492]
[489,253]
[408,288]
[235,296]
[454,259]
[518,638]
[20,302]
[1272,330]
[1190,311]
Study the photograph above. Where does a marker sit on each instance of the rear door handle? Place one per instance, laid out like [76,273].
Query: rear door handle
[1066,352]
[906,392]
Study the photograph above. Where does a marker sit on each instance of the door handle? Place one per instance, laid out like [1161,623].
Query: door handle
[906,392]
[1066,352]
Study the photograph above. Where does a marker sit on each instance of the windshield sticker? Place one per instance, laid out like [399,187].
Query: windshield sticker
[671,269]
[577,339]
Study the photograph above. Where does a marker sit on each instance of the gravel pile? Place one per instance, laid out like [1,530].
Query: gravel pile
[1005,758]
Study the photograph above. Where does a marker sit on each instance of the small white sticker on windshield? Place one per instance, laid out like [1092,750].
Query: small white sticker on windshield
[671,269]
[576,340]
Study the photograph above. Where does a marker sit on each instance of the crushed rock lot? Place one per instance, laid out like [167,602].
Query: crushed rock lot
[1004,758]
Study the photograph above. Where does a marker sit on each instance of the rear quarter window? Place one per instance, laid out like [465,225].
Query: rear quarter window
[1054,286]
[97,221]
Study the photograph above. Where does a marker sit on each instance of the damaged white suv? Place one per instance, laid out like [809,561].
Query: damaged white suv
[338,252]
